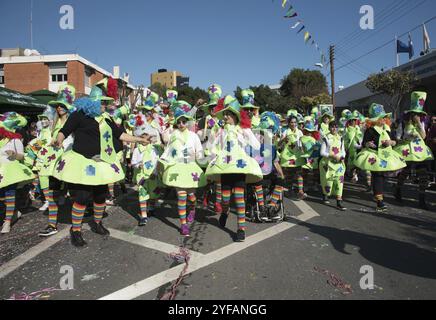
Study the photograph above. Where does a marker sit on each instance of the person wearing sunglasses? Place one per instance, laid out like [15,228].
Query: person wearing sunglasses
[332,166]
[229,163]
[413,149]
[180,165]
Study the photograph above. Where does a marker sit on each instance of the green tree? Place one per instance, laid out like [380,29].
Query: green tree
[192,95]
[267,99]
[394,85]
[307,103]
[158,88]
[303,83]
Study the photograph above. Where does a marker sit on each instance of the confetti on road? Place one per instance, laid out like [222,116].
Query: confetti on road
[34,295]
[335,281]
[183,256]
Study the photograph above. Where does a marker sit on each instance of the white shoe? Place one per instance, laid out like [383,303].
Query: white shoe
[19,214]
[44,206]
[6,227]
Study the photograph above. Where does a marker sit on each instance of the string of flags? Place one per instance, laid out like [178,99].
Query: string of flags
[292,13]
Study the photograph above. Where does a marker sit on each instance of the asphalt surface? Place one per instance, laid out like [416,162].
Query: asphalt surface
[316,254]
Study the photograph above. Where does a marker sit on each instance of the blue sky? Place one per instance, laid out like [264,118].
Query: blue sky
[229,42]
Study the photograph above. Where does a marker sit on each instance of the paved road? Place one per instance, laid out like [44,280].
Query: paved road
[317,254]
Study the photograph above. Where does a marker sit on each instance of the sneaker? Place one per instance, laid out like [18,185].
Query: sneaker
[325,200]
[47,232]
[240,236]
[301,196]
[191,216]
[99,228]
[381,207]
[184,230]
[340,206]
[6,227]
[44,207]
[77,239]
[143,221]
[223,220]
[110,201]
[19,214]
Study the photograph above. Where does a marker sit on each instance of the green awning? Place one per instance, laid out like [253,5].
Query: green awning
[43,96]
[11,100]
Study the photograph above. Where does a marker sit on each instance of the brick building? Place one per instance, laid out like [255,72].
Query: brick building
[47,72]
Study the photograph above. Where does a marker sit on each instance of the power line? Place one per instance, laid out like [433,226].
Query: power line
[383,45]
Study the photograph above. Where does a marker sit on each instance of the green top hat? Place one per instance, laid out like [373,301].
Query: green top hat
[300,118]
[97,94]
[418,99]
[215,92]
[346,113]
[292,113]
[309,124]
[172,96]
[182,109]
[230,104]
[12,121]
[377,111]
[248,99]
[150,102]
[355,115]
[66,96]
[122,112]
[326,110]
[131,121]
[314,112]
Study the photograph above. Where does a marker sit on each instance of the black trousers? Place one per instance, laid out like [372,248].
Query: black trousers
[82,194]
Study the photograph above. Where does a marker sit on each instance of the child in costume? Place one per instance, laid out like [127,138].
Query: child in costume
[325,118]
[230,163]
[12,171]
[332,166]
[377,154]
[48,155]
[144,162]
[269,162]
[311,146]
[250,107]
[290,155]
[180,165]
[413,149]
[92,163]
[353,137]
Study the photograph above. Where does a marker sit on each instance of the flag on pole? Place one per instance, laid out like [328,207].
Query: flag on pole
[405,48]
[426,39]
[307,36]
[284,3]
[296,25]
[291,15]
[302,28]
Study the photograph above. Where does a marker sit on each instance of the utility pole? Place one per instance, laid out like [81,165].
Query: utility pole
[332,74]
[31,24]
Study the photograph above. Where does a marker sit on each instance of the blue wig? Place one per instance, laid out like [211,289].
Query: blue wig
[269,121]
[91,108]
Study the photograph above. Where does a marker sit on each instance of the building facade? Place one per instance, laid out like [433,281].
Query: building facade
[169,79]
[48,72]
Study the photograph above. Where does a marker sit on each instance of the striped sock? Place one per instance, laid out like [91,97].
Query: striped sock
[77,214]
[240,207]
[181,205]
[143,207]
[219,194]
[226,197]
[98,212]
[10,204]
[300,183]
[368,178]
[111,187]
[259,193]
[192,201]
[277,194]
[52,208]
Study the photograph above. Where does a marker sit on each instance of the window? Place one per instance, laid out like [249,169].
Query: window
[88,74]
[58,72]
[2,75]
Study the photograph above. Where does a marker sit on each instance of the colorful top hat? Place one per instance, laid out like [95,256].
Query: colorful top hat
[66,96]
[269,121]
[11,121]
[182,109]
[215,92]
[150,102]
[172,96]
[248,99]
[230,104]
[326,110]
[109,86]
[97,94]
[355,115]
[418,99]
[346,113]
[292,113]
[377,111]
[309,124]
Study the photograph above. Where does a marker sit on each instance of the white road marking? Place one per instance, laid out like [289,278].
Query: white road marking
[198,262]
[148,243]
[17,262]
